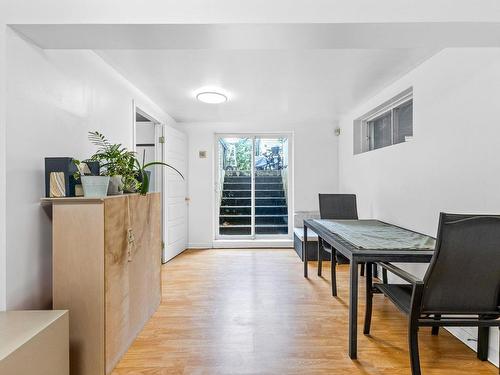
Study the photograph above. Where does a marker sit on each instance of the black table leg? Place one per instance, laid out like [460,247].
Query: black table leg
[304,250]
[369,297]
[333,271]
[320,258]
[353,310]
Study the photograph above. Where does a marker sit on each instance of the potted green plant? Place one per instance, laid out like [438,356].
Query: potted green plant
[116,161]
[123,165]
[93,186]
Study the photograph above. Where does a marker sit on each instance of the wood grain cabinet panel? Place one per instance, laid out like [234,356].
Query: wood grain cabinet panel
[106,272]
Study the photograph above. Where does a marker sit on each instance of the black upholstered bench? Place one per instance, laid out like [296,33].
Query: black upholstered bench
[311,246]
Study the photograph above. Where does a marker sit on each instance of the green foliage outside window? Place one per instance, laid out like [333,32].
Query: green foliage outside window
[243,155]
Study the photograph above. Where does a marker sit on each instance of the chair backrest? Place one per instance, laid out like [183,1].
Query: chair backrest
[464,274]
[338,206]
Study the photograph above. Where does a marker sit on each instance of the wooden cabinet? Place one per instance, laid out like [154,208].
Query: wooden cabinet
[106,272]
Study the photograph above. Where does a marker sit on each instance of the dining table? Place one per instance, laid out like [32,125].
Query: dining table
[368,242]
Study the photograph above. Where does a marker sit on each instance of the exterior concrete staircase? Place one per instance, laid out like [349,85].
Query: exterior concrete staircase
[271,210]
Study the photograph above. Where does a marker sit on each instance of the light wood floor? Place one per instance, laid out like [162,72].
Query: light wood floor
[251,312]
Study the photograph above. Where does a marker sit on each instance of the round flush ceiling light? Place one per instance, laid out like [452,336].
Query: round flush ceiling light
[211,97]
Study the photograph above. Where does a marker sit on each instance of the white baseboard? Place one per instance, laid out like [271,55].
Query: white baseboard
[207,245]
[225,244]
[228,244]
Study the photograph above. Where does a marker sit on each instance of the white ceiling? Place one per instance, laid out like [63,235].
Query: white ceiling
[273,72]
[263,85]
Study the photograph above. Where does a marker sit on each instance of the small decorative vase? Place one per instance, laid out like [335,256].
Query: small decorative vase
[115,185]
[95,186]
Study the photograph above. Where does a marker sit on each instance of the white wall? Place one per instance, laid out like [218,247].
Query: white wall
[3,270]
[452,164]
[315,169]
[53,99]
[145,132]
[221,11]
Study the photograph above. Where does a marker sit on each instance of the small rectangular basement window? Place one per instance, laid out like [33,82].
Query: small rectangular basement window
[386,125]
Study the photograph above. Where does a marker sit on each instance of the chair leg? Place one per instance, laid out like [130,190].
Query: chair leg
[384,275]
[333,265]
[369,299]
[435,329]
[320,258]
[362,269]
[483,335]
[413,346]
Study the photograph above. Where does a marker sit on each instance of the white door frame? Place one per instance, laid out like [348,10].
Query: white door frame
[290,200]
[160,154]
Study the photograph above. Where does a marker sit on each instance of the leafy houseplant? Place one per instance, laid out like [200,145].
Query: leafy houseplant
[118,161]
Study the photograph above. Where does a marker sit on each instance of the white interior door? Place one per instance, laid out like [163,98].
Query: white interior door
[176,223]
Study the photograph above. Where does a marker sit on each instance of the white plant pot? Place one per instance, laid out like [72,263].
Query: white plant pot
[115,185]
[95,186]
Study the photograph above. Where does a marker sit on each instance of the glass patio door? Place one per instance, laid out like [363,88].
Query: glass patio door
[271,185]
[252,187]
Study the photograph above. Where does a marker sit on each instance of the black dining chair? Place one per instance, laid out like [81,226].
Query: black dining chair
[335,207]
[461,287]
